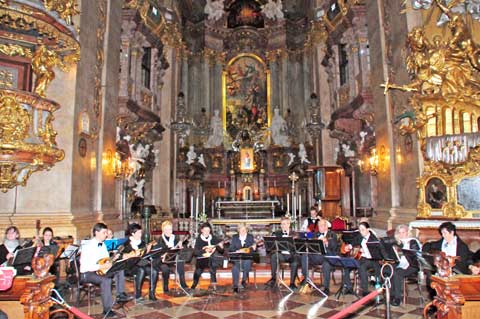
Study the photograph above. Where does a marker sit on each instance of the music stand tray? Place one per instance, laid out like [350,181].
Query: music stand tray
[69,252]
[122,264]
[374,247]
[23,256]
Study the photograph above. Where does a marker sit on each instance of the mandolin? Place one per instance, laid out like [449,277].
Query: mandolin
[210,250]
[248,250]
[110,260]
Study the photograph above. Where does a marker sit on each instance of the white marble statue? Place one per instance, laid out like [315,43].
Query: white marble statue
[214,9]
[273,9]
[302,154]
[191,155]
[291,158]
[138,189]
[216,125]
[347,152]
[278,129]
[201,160]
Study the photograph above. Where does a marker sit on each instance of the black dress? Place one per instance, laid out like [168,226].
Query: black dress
[212,262]
[167,267]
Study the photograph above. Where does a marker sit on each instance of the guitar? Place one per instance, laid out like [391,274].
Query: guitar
[210,250]
[354,252]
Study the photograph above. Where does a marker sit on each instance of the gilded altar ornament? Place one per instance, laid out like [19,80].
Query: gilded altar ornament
[66,9]
[15,50]
[42,65]
[14,122]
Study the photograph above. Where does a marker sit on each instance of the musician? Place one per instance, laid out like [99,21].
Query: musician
[241,242]
[283,256]
[207,250]
[93,251]
[331,244]
[310,224]
[451,245]
[366,262]
[49,246]
[168,241]
[403,268]
[133,247]
[10,243]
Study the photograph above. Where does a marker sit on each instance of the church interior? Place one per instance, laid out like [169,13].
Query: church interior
[169,131]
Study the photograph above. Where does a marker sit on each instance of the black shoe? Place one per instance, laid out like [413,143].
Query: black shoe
[139,300]
[303,282]
[431,311]
[123,297]
[347,291]
[235,290]
[395,302]
[194,285]
[293,287]
[326,291]
[270,283]
[152,296]
[110,314]
[244,284]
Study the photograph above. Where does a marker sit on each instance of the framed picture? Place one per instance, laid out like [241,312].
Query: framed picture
[246,160]
[436,193]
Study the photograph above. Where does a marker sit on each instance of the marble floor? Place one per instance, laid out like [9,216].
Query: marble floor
[253,303]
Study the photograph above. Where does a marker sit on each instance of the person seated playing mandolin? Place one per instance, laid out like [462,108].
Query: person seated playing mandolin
[243,242]
[135,246]
[91,253]
[207,251]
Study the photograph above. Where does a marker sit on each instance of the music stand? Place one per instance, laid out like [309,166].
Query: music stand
[376,252]
[69,252]
[344,263]
[390,253]
[113,244]
[240,256]
[117,266]
[280,244]
[23,256]
[173,256]
[307,247]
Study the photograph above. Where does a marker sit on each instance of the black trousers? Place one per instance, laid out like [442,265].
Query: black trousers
[276,257]
[365,266]
[399,275]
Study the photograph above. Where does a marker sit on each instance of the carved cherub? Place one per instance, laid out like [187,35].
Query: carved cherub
[43,62]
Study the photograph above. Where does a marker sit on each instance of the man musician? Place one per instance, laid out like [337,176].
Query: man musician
[283,256]
[366,262]
[241,242]
[92,252]
[310,224]
[331,244]
[207,247]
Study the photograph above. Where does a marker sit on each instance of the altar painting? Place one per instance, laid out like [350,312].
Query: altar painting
[245,94]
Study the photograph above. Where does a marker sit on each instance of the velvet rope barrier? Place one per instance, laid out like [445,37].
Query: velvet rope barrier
[57,298]
[357,304]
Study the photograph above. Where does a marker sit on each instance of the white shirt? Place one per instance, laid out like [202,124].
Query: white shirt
[91,253]
[450,249]
[365,251]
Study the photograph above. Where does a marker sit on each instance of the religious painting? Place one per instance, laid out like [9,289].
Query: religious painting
[436,193]
[246,160]
[246,87]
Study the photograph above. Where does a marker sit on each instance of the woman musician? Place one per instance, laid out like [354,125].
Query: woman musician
[135,246]
[169,241]
[241,242]
[403,268]
[48,246]
[206,248]
[10,245]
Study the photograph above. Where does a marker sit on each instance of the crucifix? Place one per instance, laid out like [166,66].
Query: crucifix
[293,178]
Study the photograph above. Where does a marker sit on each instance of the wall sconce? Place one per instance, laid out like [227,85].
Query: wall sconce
[108,162]
[123,168]
[375,162]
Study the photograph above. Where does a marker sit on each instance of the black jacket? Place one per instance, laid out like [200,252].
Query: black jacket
[462,251]
[199,244]
[236,244]
[332,247]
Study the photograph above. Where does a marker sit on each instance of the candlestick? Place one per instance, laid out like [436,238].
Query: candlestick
[191,207]
[288,203]
[203,211]
[196,208]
